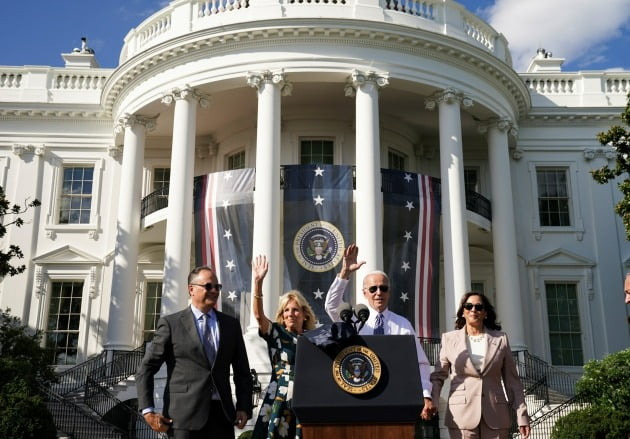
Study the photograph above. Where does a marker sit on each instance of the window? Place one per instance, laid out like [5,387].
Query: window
[64,315]
[161,178]
[236,161]
[477,287]
[471,179]
[553,197]
[152,307]
[76,195]
[396,160]
[565,335]
[316,151]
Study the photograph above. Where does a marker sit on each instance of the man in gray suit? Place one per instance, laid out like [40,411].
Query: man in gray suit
[198,345]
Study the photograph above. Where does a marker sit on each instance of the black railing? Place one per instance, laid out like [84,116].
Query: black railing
[479,204]
[431,347]
[117,413]
[542,426]
[123,364]
[533,369]
[154,201]
[74,378]
[77,422]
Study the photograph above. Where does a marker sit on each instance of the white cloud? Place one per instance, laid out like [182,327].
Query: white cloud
[573,29]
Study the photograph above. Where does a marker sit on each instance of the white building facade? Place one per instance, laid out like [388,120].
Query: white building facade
[206,86]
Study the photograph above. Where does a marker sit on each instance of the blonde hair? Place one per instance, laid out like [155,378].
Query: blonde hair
[309,315]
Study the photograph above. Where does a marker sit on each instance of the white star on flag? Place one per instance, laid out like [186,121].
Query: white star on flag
[227,176]
[319,200]
[230,265]
[408,178]
[407,236]
[405,266]
[232,295]
[226,203]
[318,294]
[404,297]
[319,172]
[409,205]
[227,234]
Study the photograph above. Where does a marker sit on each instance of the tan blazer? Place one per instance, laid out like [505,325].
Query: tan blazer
[474,393]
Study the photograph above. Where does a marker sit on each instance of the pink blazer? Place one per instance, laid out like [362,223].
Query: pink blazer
[474,393]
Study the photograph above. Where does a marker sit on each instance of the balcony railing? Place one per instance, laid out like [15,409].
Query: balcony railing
[479,204]
[154,201]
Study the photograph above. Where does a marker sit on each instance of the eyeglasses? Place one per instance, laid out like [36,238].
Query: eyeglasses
[209,286]
[373,288]
[470,306]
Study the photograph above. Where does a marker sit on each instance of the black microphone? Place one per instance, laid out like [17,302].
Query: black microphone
[345,313]
[363,313]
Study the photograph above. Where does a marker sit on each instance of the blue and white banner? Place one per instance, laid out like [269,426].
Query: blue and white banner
[411,247]
[318,218]
[224,219]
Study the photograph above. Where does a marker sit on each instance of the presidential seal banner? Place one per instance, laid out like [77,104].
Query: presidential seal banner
[411,247]
[224,218]
[318,214]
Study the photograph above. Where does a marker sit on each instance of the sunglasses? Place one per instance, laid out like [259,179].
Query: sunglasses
[209,286]
[373,288]
[470,306]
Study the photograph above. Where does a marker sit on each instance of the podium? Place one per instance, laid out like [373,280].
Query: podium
[389,409]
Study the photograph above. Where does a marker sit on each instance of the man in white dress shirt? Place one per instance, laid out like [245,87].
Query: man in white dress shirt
[381,320]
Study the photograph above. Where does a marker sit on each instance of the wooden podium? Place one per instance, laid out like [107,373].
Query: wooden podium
[389,410]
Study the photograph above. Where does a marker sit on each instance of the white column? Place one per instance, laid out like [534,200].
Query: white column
[454,227]
[123,294]
[178,241]
[267,209]
[506,275]
[369,198]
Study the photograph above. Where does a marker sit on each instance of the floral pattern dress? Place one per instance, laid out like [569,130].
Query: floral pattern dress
[276,419]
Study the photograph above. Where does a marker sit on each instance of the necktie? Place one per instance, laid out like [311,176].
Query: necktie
[206,337]
[379,328]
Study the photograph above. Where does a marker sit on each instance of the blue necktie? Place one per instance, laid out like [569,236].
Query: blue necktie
[379,328]
[206,338]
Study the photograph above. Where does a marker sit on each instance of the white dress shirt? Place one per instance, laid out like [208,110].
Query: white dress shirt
[394,325]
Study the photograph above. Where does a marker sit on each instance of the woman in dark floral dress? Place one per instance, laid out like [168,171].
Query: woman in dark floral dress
[276,418]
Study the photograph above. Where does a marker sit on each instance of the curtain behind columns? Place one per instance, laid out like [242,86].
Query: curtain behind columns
[411,247]
[318,214]
[224,222]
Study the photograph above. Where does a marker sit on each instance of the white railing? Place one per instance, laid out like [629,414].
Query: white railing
[439,16]
[79,81]
[619,85]
[10,79]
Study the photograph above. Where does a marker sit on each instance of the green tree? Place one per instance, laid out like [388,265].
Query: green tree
[10,213]
[618,138]
[23,364]
[605,386]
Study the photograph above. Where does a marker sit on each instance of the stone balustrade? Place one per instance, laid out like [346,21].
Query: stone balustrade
[438,16]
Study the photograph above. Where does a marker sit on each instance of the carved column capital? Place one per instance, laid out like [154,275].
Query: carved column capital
[114,151]
[129,120]
[448,96]
[503,124]
[279,78]
[358,78]
[186,92]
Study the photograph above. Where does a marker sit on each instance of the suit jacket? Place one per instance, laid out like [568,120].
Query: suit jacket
[474,393]
[190,379]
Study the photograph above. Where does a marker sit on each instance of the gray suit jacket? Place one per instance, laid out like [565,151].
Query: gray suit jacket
[474,393]
[190,380]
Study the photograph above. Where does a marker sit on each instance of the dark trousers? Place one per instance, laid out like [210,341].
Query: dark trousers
[218,426]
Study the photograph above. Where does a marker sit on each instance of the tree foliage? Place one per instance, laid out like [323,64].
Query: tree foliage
[605,386]
[23,363]
[10,212]
[618,138]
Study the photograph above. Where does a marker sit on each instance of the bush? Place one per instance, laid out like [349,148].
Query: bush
[606,382]
[595,422]
[23,413]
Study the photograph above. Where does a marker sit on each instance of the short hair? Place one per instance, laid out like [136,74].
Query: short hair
[309,315]
[491,315]
[195,272]
[382,273]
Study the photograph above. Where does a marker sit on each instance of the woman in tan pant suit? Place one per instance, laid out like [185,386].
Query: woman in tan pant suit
[477,357]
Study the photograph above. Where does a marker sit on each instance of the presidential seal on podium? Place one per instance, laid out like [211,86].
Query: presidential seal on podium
[356,369]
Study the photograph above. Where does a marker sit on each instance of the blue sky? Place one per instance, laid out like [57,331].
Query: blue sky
[590,35]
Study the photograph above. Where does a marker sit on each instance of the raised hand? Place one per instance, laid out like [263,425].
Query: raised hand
[260,266]
[350,263]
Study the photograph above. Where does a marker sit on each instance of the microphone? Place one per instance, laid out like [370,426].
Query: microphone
[363,313]
[345,313]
